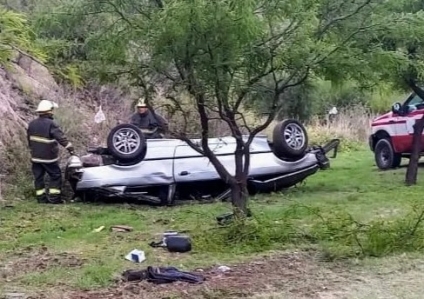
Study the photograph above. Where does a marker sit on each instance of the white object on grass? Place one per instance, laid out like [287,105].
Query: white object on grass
[333,111]
[100,116]
[136,256]
[99,229]
[224,268]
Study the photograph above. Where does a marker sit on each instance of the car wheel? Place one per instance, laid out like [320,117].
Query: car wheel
[385,157]
[127,143]
[290,139]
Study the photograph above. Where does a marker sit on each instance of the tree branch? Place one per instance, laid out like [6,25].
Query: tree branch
[249,85]
[321,32]
[271,116]
[121,14]
[200,104]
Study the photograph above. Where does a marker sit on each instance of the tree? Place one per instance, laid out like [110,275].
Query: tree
[398,57]
[222,53]
[411,75]
[16,36]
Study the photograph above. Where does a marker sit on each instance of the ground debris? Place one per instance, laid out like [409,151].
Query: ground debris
[269,273]
[121,228]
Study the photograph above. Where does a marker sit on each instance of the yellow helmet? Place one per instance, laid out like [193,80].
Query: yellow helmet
[46,106]
[141,103]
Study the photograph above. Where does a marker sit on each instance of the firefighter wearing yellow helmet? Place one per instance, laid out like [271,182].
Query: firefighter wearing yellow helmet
[44,135]
[150,123]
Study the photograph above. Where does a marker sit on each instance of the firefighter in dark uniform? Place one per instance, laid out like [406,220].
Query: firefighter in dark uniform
[44,136]
[153,126]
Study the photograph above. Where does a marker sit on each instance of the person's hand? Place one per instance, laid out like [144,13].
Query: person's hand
[71,150]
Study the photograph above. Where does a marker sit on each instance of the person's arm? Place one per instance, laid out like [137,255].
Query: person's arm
[163,124]
[60,137]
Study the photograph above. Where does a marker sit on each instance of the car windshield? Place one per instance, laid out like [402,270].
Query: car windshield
[415,102]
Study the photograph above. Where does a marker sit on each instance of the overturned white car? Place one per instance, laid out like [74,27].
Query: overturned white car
[165,170]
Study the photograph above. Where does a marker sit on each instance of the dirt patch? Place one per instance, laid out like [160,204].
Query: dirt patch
[283,276]
[299,274]
[40,260]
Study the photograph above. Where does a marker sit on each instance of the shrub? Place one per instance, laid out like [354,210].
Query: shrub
[336,232]
[343,236]
[351,126]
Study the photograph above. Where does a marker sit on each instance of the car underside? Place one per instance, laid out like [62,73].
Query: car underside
[163,171]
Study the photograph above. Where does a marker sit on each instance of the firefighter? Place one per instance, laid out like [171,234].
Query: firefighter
[153,126]
[44,135]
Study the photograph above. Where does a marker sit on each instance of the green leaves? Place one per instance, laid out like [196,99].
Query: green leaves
[16,35]
[231,50]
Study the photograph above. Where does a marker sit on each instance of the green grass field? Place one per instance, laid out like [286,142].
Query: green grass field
[55,248]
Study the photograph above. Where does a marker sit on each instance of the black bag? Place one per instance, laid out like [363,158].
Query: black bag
[178,243]
[175,243]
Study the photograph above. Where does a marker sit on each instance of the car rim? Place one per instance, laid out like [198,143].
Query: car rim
[126,141]
[294,136]
[385,155]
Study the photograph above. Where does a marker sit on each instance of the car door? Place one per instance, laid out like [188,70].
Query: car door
[189,165]
[413,110]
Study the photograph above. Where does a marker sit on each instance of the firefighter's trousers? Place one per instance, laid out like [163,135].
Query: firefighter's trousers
[39,171]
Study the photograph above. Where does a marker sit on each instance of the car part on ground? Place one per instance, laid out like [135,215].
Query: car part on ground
[170,169]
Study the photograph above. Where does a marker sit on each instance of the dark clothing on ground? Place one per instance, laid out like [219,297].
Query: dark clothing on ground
[162,275]
[153,126]
[44,137]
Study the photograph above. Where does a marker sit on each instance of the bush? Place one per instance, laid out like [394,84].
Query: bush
[15,166]
[336,232]
[343,236]
[257,234]
[351,126]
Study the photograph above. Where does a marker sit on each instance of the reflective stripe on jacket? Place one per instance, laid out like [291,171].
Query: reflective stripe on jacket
[44,136]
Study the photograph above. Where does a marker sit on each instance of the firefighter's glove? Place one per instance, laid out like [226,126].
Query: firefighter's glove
[71,150]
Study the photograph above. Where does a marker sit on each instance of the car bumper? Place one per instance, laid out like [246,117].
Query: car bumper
[283,181]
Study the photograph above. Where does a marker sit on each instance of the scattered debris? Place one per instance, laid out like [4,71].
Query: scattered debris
[228,218]
[160,275]
[98,229]
[121,228]
[168,233]
[224,268]
[174,242]
[136,256]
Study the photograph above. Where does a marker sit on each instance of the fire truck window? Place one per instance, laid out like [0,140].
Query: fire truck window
[416,100]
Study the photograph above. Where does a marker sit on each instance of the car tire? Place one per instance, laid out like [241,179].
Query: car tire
[384,155]
[290,139]
[127,133]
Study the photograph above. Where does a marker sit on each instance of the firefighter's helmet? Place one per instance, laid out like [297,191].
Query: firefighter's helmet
[46,106]
[141,103]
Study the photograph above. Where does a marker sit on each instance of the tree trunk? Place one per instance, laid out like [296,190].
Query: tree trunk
[411,172]
[239,196]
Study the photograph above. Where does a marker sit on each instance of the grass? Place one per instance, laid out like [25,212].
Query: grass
[34,236]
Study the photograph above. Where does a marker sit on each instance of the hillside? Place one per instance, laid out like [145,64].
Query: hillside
[23,83]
